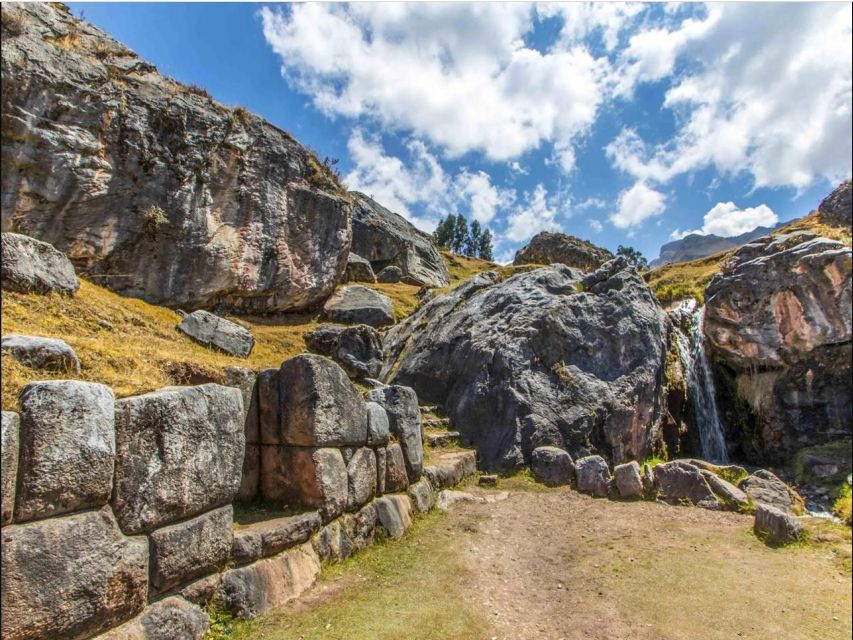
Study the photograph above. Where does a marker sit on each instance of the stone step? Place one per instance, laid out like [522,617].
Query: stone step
[432,422]
[451,468]
[270,537]
[429,408]
[442,439]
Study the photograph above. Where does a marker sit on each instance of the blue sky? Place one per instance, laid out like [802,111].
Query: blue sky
[620,123]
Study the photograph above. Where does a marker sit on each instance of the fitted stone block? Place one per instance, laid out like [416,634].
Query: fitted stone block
[305,477]
[10,439]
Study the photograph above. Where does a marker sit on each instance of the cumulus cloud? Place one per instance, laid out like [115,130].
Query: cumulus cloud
[537,213]
[637,204]
[458,75]
[774,101]
[727,219]
[596,225]
[483,198]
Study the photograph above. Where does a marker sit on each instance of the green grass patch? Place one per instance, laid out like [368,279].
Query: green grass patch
[843,505]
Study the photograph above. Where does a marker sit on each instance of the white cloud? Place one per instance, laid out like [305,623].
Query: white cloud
[591,203]
[726,219]
[456,74]
[484,199]
[536,214]
[596,225]
[517,168]
[773,101]
[636,205]
[581,19]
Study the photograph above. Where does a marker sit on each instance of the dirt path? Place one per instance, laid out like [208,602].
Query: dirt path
[563,565]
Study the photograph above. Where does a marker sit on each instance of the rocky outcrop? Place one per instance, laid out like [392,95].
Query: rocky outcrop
[681,483]
[31,266]
[558,248]
[765,487]
[152,188]
[213,331]
[358,270]
[385,238]
[778,332]
[357,349]
[548,357]
[356,304]
[836,209]
[51,354]
[390,274]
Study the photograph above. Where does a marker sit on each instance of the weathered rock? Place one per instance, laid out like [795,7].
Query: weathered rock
[269,537]
[725,471]
[648,481]
[836,209]
[778,330]
[390,274]
[361,472]
[269,407]
[396,478]
[357,349]
[201,591]
[551,248]
[404,417]
[68,448]
[41,353]
[70,577]
[552,466]
[679,483]
[212,331]
[246,381]
[729,495]
[442,439]
[166,619]
[394,513]
[451,468]
[10,440]
[447,498]
[305,477]
[332,543]
[250,591]
[778,526]
[547,357]
[385,238]
[179,453]
[359,527]
[31,266]
[382,468]
[356,304]
[179,200]
[319,406]
[765,487]
[189,549]
[378,428]
[422,495]
[593,476]
[358,270]
[628,480]
[489,480]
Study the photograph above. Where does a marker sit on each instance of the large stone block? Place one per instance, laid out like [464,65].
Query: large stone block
[361,472]
[404,418]
[212,331]
[67,448]
[350,533]
[765,487]
[378,427]
[179,453]
[356,304]
[451,468]
[593,476]
[10,439]
[777,526]
[189,549]
[679,482]
[552,466]
[70,577]
[269,537]
[246,380]
[305,477]
[250,478]
[394,513]
[320,407]
[396,478]
[250,591]
[169,619]
[269,407]
[33,266]
[628,480]
[422,495]
[37,352]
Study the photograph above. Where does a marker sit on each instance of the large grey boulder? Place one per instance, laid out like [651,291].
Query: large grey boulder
[728,494]
[357,349]
[166,619]
[181,201]
[246,380]
[394,513]
[356,304]
[213,331]
[386,238]
[404,418]
[390,274]
[778,332]
[552,466]
[550,357]
[378,427]
[68,448]
[70,577]
[269,537]
[358,270]
[189,549]
[593,476]
[628,480]
[179,453]
[37,352]
[250,591]
[777,526]
[10,440]
[765,487]
[361,474]
[352,532]
[306,477]
[551,248]
[319,406]
[31,266]
[681,483]
[396,478]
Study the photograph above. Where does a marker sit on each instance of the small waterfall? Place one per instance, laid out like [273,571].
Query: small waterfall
[690,341]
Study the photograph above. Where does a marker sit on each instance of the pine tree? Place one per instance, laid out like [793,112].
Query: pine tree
[472,242]
[485,246]
[460,233]
[443,234]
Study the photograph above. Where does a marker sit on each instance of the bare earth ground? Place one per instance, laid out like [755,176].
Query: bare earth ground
[556,564]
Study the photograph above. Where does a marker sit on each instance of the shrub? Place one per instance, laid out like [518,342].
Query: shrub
[154,217]
[843,505]
[13,21]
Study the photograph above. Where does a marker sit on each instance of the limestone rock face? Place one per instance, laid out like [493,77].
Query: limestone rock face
[551,357]
[179,200]
[396,478]
[357,349]
[358,270]
[552,466]
[837,208]
[361,472]
[68,448]
[10,430]
[213,331]
[179,453]
[356,304]
[51,354]
[166,619]
[31,266]
[387,239]
[70,577]
[246,380]
[404,417]
[558,248]
[378,429]
[778,330]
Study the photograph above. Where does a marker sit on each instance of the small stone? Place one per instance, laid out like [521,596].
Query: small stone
[488,481]
[593,476]
[552,466]
[628,480]
[779,527]
[394,514]
[50,354]
[211,330]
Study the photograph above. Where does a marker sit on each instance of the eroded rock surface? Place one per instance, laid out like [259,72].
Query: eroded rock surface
[32,266]
[213,331]
[357,349]
[551,248]
[356,304]
[10,430]
[37,352]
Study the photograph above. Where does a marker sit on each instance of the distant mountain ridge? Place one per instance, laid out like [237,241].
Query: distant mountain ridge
[695,246]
